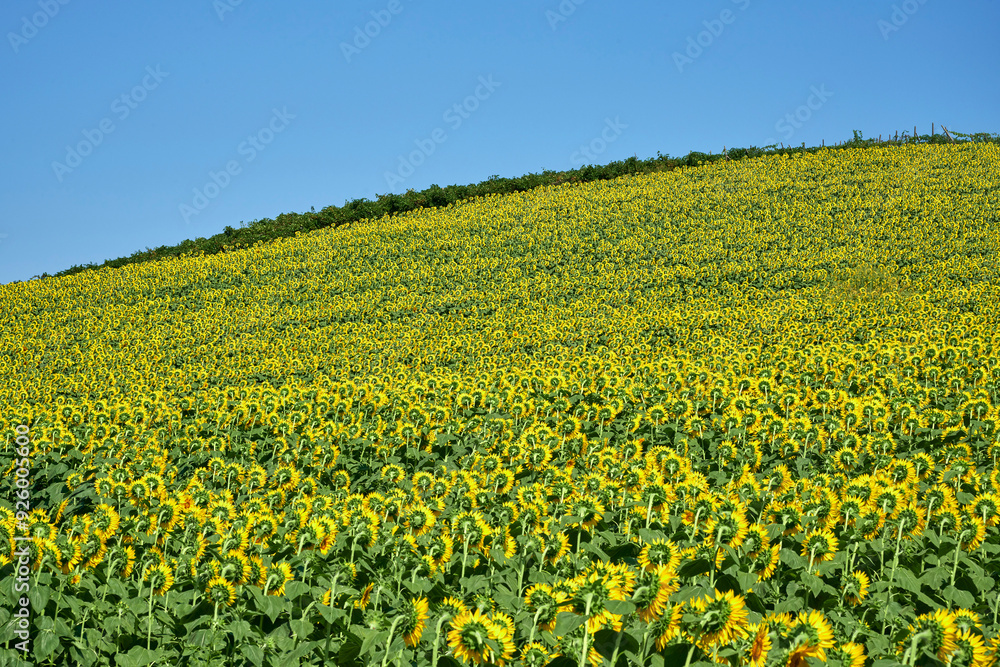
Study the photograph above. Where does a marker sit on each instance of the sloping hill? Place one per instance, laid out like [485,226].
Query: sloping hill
[628,400]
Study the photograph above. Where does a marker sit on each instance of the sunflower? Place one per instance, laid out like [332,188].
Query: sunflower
[535,655]
[414,615]
[92,550]
[277,576]
[470,528]
[767,562]
[660,552]
[819,546]
[855,587]
[811,636]
[593,590]
[970,650]
[727,530]
[757,539]
[236,566]
[972,534]
[987,507]
[667,626]
[70,554]
[502,632]
[946,520]
[934,632]
[909,521]
[441,548]
[365,597]
[722,618]
[220,591]
[129,555]
[545,603]
[160,577]
[788,516]
[654,588]
[849,654]
[468,637]
[556,546]
[761,645]
[870,523]
[589,511]
[452,607]
[966,619]
[106,521]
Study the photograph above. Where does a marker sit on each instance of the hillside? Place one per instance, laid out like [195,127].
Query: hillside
[727,411]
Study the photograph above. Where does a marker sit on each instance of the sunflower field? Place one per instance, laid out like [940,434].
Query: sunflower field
[741,414]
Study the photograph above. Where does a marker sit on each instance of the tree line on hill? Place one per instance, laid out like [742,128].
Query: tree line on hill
[288,224]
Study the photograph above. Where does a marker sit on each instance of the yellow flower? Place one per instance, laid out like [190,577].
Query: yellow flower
[278,575]
[654,588]
[160,577]
[220,591]
[414,620]
[820,546]
[467,638]
[849,654]
[855,587]
[811,636]
[660,552]
[970,650]
[934,632]
[761,645]
[722,618]
[365,597]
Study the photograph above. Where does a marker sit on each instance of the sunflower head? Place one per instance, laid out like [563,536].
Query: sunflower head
[855,587]
[220,591]
[934,632]
[653,588]
[160,577]
[414,615]
[660,552]
[535,655]
[720,618]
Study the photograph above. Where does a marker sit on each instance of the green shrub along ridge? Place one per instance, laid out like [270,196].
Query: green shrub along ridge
[288,224]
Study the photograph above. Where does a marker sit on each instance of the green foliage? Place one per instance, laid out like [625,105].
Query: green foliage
[289,224]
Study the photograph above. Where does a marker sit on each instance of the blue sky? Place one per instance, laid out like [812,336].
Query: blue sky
[129,125]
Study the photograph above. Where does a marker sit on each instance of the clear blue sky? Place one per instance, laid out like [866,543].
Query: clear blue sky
[151,99]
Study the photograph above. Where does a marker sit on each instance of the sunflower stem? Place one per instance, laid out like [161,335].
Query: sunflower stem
[895,563]
[333,597]
[586,631]
[687,661]
[465,553]
[910,657]
[149,618]
[437,637]
[954,566]
[618,639]
[392,629]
